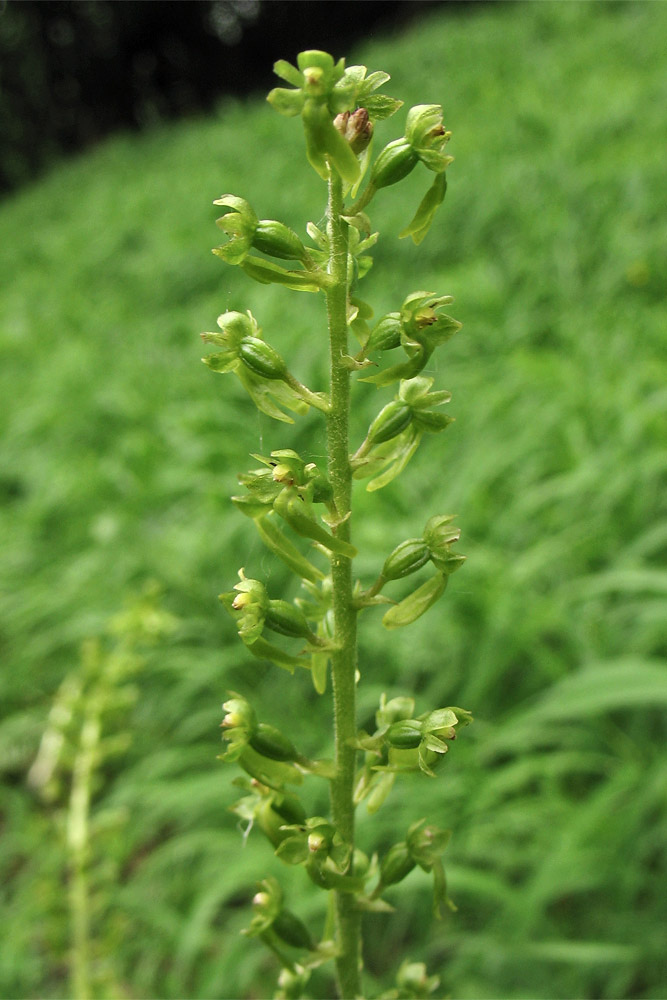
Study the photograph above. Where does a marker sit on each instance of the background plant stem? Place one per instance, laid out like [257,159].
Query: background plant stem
[344,660]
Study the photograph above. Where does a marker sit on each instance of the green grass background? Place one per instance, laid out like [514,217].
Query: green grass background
[119,452]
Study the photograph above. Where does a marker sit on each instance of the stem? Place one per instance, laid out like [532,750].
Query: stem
[344,659]
[77,842]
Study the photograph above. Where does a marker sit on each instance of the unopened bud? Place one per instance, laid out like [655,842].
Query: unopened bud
[356,127]
[261,900]
[406,734]
[292,931]
[277,240]
[396,864]
[390,422]
[395,162]
[406,558]
[261,359]
[386,335]
[283,618]
[269,742]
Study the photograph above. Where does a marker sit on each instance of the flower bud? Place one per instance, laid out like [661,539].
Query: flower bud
[277,240]
[390,422]
[406,558]
[406,734]
[284,618]
[292,931]
[386,335]
[395,162]
[261,359]
[270,742]
[396,864]
[356,128]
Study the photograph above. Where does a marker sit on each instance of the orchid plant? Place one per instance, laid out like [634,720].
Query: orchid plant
[293,501]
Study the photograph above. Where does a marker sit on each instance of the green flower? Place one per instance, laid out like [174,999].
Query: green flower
[418,328]
[419,743]
[422,847]
[424,140]
[246,232]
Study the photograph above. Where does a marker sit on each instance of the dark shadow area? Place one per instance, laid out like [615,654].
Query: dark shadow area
[74,72]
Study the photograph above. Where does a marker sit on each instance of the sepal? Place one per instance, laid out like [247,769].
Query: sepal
[280,545]
[421,223]
[273,774]
[267,273]
[416,604]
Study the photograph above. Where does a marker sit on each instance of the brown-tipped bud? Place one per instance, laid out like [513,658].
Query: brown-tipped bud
[356,127]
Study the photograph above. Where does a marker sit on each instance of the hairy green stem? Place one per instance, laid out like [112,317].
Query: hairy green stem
[344,659]
[78,846]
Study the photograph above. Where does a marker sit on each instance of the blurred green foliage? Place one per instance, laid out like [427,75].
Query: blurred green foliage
[118,458]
